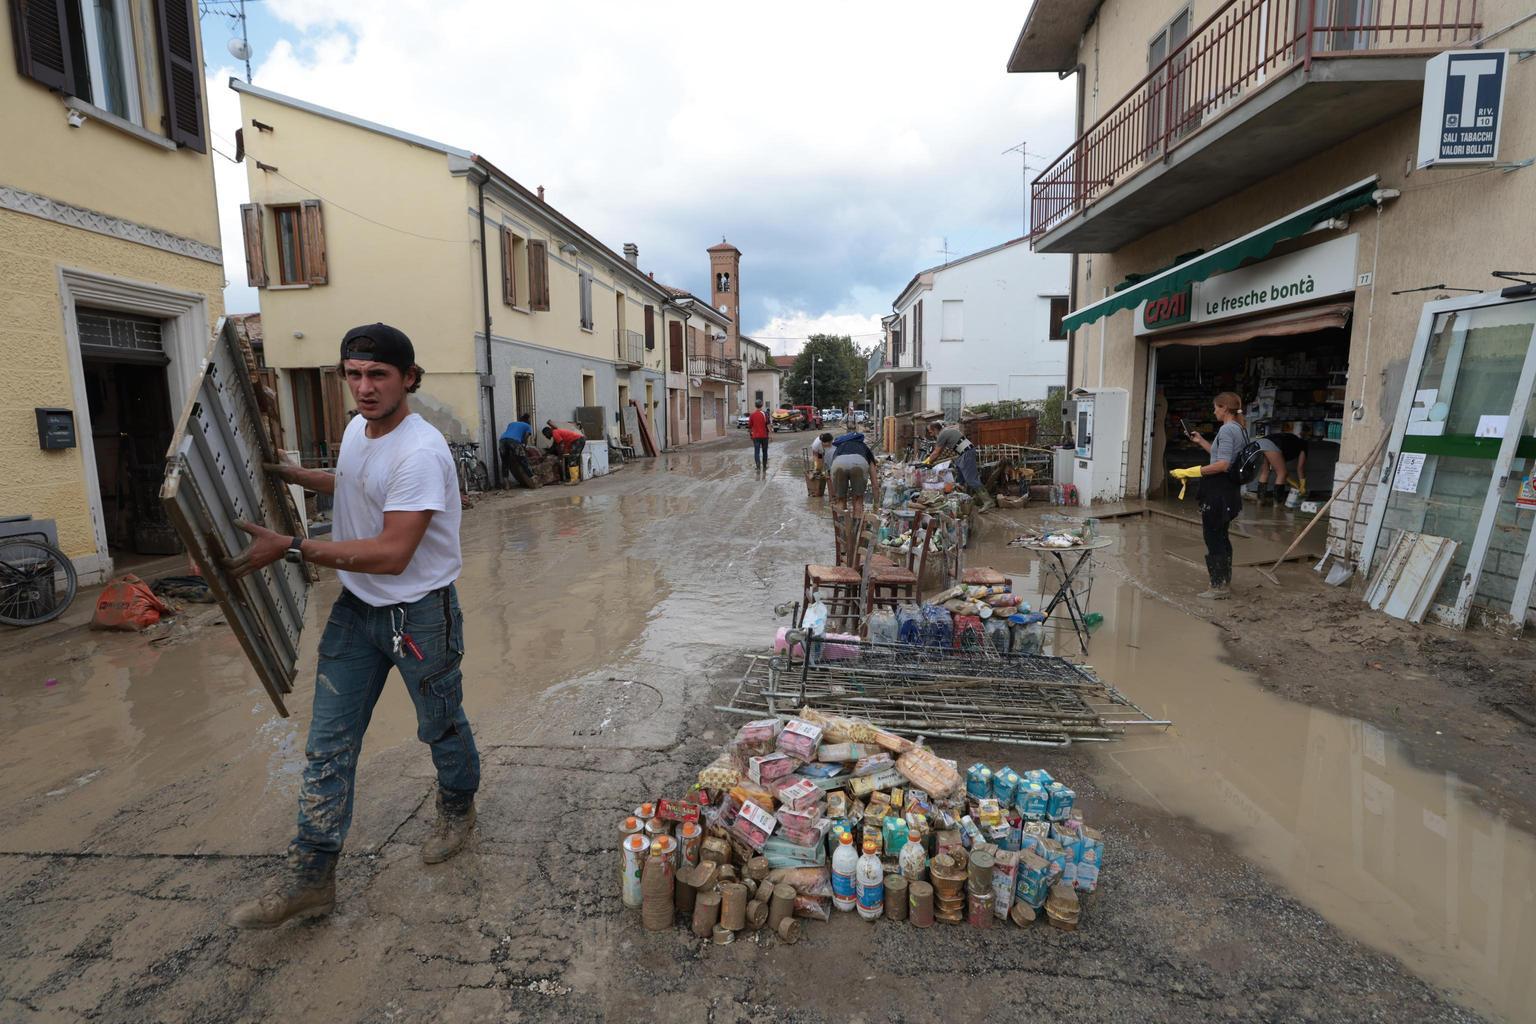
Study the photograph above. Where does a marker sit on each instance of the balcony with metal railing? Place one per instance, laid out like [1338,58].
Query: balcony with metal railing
[631,347]
[715,368]
[1258,87]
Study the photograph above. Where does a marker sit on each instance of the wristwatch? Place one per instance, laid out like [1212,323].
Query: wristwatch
[295,553]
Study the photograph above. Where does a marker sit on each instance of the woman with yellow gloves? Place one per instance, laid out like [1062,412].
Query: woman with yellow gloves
[1221,497]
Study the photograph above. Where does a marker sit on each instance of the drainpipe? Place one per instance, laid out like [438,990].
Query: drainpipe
[1081,72]
[490,367]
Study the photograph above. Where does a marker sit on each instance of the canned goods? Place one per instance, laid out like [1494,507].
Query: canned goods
[634,850]
[690,836]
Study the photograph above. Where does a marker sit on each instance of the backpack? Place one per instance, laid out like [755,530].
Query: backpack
[1245,466]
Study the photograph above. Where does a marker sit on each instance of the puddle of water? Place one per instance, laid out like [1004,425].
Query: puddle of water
[1396,856]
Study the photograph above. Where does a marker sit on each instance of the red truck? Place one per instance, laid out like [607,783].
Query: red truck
[812,417]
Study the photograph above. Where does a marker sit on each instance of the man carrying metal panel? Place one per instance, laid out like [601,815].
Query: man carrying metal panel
[396,552]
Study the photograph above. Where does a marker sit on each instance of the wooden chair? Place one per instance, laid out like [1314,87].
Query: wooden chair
[895,585]
[840,588]
[855,543]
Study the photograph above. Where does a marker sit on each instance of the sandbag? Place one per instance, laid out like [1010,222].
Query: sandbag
[128,603]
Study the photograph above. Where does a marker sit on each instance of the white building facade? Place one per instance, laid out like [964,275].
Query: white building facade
[983,328]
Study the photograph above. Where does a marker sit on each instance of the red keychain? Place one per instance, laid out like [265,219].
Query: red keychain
[410,645]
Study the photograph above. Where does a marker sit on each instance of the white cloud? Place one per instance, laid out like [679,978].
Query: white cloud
[831,142]
[785,333]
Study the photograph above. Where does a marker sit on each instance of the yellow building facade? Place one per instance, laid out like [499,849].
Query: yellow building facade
[437,241]
[111,273]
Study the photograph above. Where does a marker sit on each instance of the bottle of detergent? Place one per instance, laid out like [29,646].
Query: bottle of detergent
[913,859]
[845,863]
[871,883]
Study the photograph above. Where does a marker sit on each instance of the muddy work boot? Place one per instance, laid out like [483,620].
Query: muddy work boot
[306,889]
[1220,570]
[449,832]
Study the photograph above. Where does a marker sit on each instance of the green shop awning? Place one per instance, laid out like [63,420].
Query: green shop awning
[1252,246]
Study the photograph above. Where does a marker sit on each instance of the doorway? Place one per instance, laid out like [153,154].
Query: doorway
[1289,385]
[128,399]
[1461,458]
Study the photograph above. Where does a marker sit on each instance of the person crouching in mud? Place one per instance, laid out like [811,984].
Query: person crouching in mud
[1221,497]
[396,552]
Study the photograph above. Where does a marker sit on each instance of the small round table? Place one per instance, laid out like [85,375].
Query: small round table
[1066,594]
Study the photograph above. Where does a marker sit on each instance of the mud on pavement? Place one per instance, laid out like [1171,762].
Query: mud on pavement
[603,623]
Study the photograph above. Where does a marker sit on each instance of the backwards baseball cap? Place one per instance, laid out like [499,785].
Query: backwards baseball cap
[379,343]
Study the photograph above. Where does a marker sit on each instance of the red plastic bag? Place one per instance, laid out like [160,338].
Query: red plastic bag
[128,603]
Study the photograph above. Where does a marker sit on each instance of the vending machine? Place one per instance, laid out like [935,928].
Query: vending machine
[1100,432]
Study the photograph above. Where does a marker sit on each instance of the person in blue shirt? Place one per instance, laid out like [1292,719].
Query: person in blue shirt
[514,461]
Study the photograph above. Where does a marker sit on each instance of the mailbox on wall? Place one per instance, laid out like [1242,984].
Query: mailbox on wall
[55,428]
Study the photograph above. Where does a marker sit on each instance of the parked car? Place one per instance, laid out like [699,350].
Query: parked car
[832,415]
[742,420]
[860,416]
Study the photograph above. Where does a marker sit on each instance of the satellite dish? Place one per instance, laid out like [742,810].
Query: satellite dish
[239,49]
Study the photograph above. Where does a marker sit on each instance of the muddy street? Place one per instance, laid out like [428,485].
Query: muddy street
[1267,859]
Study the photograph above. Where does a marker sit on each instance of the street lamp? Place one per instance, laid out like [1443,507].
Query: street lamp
[814,361]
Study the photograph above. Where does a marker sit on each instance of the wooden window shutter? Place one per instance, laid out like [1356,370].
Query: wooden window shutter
[650,327]
[675,336]
[538,274]
[41,31]
[182,73]
[255,245]
[333,403]
[314,241]
[508,275]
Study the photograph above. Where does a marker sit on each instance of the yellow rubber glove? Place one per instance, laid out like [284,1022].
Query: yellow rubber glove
[1184,476]
[1302,486]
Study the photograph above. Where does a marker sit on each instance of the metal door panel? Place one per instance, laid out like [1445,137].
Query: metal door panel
[214,476]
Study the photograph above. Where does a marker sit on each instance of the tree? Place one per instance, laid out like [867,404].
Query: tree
[839,372]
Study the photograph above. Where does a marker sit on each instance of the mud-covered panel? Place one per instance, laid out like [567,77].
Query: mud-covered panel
[214,477]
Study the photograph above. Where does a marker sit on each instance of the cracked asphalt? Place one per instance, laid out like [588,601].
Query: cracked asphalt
[603,623]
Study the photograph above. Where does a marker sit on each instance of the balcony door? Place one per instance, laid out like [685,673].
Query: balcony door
[1167,91]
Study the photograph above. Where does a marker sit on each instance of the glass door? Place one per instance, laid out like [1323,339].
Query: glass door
[1462,445]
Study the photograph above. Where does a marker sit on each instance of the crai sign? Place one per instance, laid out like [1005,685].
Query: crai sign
[1290,280]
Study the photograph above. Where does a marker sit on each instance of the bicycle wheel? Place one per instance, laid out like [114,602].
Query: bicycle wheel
[479,476]
[37,582]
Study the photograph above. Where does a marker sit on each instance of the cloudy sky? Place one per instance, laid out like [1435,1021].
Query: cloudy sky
[837,144]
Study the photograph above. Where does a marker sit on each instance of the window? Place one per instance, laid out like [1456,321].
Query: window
[950,404]
[722,282]
[299,230]
[1162,45]
[759,396]
[584,278]
[952,320]
[112,82]
[650,327]
[84,49]
[522,396]
[588,389]
[287,222]
[513,255]
[1058,314]
[917,333]
[675,342]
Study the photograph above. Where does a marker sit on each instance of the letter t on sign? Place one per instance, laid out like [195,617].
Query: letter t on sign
[1470,71]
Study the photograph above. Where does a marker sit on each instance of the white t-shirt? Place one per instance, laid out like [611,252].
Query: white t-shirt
[409,469]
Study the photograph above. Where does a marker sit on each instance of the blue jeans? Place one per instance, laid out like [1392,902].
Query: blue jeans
[356,654]
[760,452]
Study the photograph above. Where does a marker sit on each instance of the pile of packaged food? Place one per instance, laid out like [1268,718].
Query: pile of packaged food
[818,813]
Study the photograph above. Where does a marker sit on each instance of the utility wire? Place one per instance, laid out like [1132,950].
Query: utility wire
[347,209]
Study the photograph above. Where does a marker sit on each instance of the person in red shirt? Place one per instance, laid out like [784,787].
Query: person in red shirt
[565,443]
[757,426]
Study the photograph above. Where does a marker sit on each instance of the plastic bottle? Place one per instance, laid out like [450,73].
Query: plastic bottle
[871,883]
[845,862]
[882,626]
[913,859]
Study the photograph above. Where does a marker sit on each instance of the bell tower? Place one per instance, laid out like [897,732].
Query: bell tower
[725,291]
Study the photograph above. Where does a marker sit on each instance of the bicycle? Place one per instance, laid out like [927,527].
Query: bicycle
[473,476]
[37,580]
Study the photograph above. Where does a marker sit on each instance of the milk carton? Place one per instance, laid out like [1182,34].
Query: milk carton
[1005,876]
